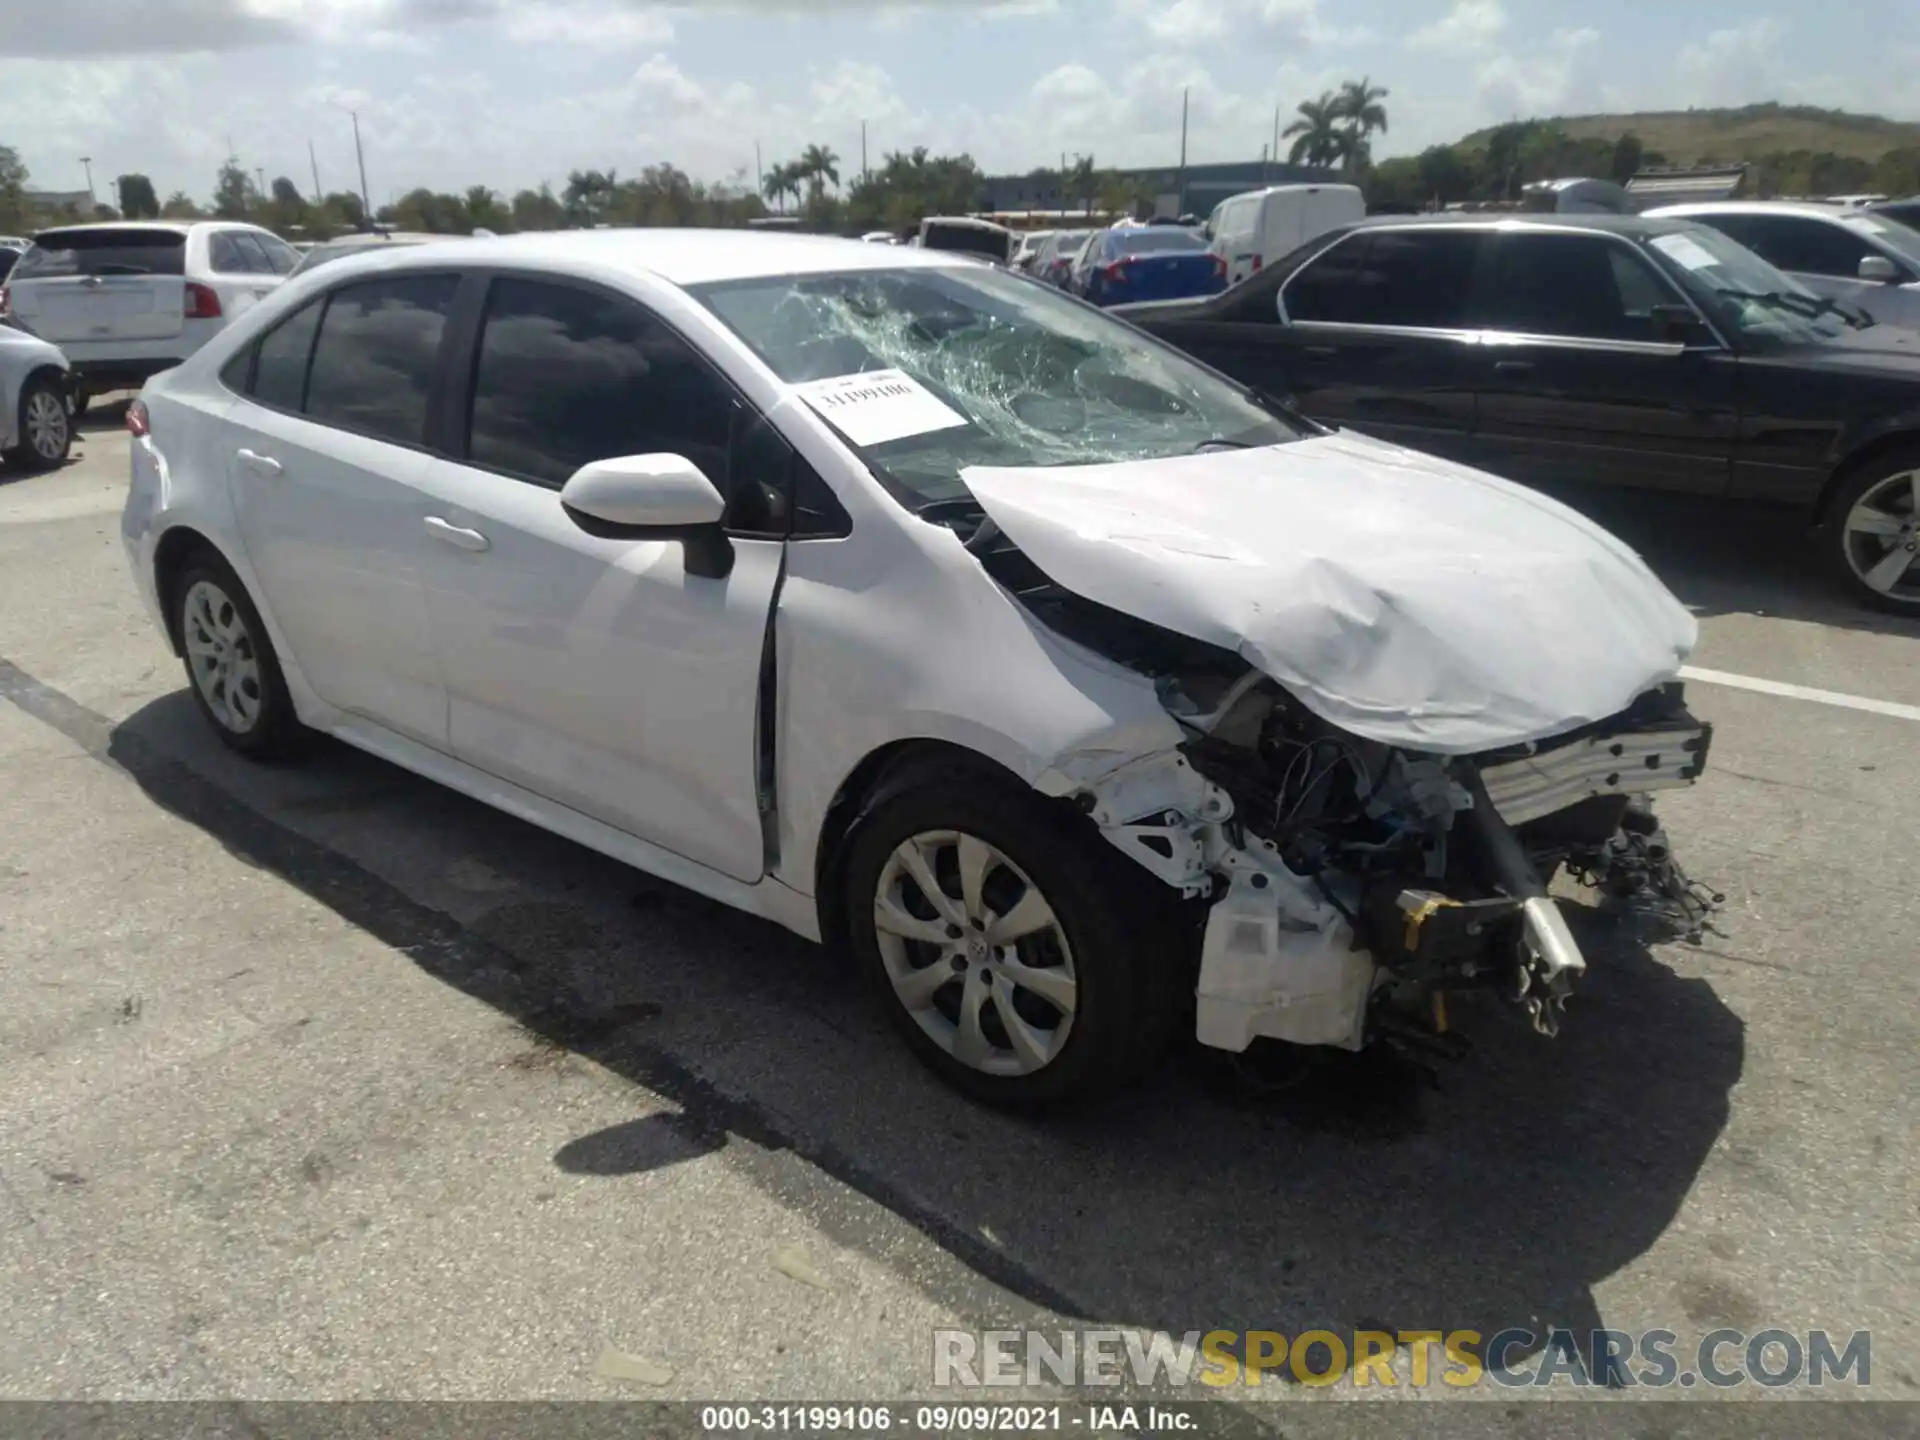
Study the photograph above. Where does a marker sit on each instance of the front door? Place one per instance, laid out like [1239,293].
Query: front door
[324,458]
[1575,382]
[609,675]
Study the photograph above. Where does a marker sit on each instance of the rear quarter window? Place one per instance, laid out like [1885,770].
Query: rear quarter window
[106,251]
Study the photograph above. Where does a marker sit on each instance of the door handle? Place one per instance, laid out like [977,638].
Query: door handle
[456,535]
[259,464]
[1513,367]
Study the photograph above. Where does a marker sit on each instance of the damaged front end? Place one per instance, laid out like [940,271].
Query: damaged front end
[1350,885]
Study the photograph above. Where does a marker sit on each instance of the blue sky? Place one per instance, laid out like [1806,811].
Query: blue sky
[510,92]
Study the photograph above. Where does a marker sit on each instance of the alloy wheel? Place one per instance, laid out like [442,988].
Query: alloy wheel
[223,657]
[975,953]
[1882,539]
[46,425]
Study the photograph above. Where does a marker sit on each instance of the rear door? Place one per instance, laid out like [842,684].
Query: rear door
[102,282]
[1577,385]
[327,451]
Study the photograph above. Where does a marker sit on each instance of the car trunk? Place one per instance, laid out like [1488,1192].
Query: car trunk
[102,284]
[1166,275]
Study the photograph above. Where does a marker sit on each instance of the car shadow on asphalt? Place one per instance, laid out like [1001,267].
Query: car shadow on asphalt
[1362,1196]
[1723,558]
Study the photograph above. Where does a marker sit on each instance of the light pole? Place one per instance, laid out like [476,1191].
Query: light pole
[366,202]
[87,160]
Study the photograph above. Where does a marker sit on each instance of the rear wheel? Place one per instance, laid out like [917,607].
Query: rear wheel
[1874,549]
[1015,957]
[231,665]
[45,434]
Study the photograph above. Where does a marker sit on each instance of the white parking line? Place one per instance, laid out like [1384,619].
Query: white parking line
[1802,692]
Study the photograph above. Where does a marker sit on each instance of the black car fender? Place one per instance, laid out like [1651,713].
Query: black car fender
[1862,446]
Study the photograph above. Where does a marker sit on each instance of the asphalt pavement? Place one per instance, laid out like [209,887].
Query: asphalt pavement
[324,1082]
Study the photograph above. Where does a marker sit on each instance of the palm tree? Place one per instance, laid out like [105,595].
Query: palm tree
[1322,138]
[819,167]
[1358,104]
[779,181]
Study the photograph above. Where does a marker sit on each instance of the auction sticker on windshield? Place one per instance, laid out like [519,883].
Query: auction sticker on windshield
[1684,250]
[876,406]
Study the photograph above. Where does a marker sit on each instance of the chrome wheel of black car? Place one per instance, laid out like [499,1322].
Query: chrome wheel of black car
[1878,535]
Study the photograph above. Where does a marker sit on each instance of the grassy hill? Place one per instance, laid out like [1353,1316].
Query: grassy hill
[1751,132]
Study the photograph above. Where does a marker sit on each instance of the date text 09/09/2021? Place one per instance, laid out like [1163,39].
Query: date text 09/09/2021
[942,1419]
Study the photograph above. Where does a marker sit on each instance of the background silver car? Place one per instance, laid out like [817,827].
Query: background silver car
[36,419]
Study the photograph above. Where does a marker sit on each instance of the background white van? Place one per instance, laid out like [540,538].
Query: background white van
[1248,230]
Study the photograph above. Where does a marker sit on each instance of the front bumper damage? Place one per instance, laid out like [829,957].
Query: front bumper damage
[1320,955]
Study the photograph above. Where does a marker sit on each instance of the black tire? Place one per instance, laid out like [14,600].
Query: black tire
[1847,555]
[1129,965]
[46,446]
[274,732]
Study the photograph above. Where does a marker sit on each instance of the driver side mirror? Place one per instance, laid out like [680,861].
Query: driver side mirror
[1677,324]
[1879,270]
[653,497]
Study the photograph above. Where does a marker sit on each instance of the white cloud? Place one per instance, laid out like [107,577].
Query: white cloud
[1469,27]
[1735,64]
[595,23]
[1204,22]
[1553,79]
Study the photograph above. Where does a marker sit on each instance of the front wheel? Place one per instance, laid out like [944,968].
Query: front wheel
[1874,544]
[44,434]
[1012,953]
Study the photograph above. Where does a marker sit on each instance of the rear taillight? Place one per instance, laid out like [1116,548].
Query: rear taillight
[137,418]
[1256,262]
[1117,271]
[1219,267]
[202,302]
[6,301]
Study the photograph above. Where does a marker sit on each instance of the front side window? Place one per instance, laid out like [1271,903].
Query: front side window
[1000,371]
[1585,287]
[567,375]
[375,359]
[1416,279]
[1801,243]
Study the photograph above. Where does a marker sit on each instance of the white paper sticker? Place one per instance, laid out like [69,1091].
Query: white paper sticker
[876,406]
[1684,250]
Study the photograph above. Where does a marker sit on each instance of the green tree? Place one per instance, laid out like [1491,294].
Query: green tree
[587,196]
[343,210]
[1080,183]
[484,211]
[1444,175]
[234,194]
[1320,133]
[1628,155]
[13,192]
[538,210]
[780,182]
[181,206]
[137,200]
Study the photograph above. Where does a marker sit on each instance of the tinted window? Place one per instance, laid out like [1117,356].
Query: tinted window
[566,375]
[1581,286]
[280,373]
[281,257]
[1813,247]
[104,251]
[373,365]
[1390,277]
[226,257]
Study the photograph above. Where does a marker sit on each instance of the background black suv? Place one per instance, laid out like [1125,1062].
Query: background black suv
[1611,349]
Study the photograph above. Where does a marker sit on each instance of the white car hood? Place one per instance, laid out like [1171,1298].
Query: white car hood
[1399,597]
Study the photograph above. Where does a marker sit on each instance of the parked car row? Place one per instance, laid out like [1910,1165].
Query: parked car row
[1649,351]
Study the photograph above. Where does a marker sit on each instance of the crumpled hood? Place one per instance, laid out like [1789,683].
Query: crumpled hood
[1402,598]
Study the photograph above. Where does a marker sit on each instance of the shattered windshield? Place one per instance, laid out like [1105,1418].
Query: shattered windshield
[982,368]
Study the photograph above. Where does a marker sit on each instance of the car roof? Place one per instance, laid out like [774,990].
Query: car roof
[1760,207]
[680,257]
[1631,226]
[163,227]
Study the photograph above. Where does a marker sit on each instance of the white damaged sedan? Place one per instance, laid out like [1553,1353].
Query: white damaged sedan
[1084,695]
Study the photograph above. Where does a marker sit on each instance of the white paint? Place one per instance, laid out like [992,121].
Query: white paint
[1684,250]
[1802,692]
[878,406]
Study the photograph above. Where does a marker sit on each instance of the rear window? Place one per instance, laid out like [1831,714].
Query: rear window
[1155,239]
[105,251]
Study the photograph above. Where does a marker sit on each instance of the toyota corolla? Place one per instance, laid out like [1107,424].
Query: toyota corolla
[1084,695]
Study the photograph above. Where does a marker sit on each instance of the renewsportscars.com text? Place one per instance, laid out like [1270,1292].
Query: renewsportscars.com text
[1614,1359]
